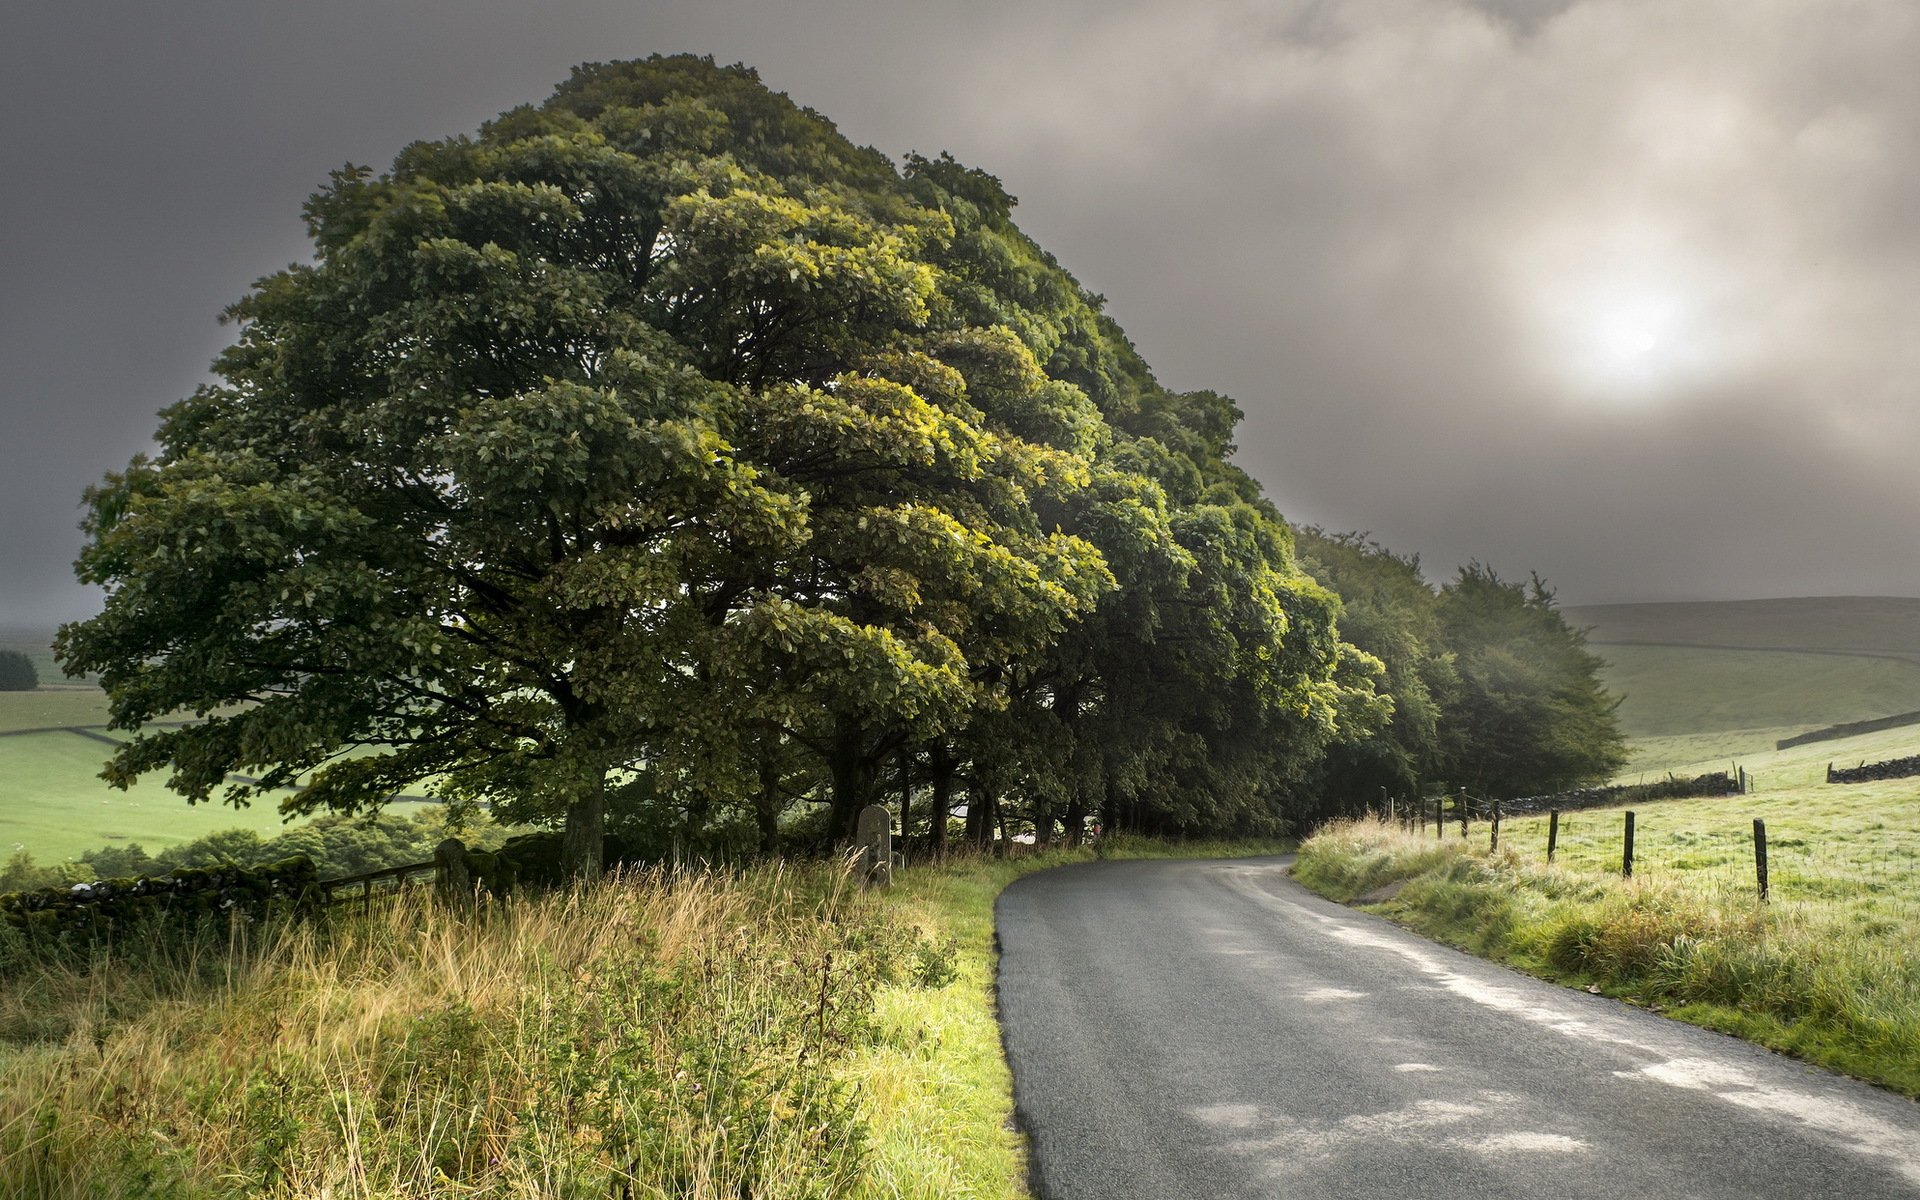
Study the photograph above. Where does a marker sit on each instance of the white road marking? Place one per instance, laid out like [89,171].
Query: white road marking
[1843,1122]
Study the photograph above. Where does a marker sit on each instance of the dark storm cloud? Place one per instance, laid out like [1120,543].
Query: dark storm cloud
[1618,290]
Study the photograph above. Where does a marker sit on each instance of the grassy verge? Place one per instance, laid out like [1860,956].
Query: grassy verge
[767,1033]
[1827,972]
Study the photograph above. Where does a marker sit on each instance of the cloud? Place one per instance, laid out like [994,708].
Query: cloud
[1619,290]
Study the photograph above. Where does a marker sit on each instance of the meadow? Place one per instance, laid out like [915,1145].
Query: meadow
[1861,624]
[1672,690]
[771,1032]
[1825,969]
[54,806]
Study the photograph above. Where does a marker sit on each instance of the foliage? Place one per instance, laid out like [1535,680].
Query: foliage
[1531,713]
[17,673]
[658,448]
[1492,690]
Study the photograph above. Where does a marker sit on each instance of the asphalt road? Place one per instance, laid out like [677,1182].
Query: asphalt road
[1211,1029]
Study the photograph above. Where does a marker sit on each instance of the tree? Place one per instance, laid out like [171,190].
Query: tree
[17,673]
[1529,713]
[1390,612]
[657,447]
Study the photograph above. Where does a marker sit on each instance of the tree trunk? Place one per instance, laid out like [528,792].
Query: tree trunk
[583,845]
[979,815]
[853,780]
[766,808]
[906,797]
[1109,810]
[1076,821]
[940,776]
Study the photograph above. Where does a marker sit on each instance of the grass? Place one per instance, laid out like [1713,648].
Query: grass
[1687,690]
[53,803]
[1882,624]
[53,707]
[1826,971]
[767,1033]
[1785,770]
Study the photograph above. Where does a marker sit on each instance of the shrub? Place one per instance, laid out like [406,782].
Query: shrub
[17,673]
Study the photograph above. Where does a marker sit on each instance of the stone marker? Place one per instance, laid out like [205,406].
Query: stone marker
[874,836]
[450,870]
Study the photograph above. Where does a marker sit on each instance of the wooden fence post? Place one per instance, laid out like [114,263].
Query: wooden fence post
[1626,850]
[1553,833]
[1440,816]
[1760,856]
[1463,807]
[1495,844]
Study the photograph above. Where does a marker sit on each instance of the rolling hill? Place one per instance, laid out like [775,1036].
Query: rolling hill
[1712,678]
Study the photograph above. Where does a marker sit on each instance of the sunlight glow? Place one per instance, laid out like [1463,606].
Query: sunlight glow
[1623,315]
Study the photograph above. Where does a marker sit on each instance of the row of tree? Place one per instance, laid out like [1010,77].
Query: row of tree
[658,456]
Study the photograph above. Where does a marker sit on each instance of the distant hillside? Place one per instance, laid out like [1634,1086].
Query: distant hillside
[1846,624]
[1779,665]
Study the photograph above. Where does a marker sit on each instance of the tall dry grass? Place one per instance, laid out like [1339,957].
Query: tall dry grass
[652,1036]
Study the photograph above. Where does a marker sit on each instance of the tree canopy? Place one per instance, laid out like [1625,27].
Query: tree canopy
[1493,691]
[657,448]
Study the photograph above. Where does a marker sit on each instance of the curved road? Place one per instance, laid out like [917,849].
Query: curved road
[1211,1029]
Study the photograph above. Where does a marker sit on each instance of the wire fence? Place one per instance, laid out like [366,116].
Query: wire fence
[1733,851]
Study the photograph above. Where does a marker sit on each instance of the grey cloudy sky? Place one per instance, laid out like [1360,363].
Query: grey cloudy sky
[1626,292]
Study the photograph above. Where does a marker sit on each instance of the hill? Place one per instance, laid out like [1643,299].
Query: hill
[1850,625]
[1771,668]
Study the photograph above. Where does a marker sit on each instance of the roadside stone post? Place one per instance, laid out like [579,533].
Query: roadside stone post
[450,874]
[874,835]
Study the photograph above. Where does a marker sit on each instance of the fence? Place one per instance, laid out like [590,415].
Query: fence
[1867,869]
[383,882]
[1892,768]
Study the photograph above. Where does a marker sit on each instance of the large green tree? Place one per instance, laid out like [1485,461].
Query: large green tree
[658,445]
[1528,713]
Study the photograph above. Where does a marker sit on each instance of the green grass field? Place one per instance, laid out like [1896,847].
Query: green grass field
[1874,624]
[53,707]
[1726,678]
[1688,690]
[54,805]
[1824,970]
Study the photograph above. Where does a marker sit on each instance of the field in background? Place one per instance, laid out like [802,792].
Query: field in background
[1856,624]
[54,805]
[1712,681]
[53,708]
[1672,690]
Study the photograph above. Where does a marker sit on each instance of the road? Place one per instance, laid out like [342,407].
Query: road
[1211,1029]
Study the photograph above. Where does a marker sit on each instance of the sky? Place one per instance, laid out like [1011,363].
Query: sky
[1622,292]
